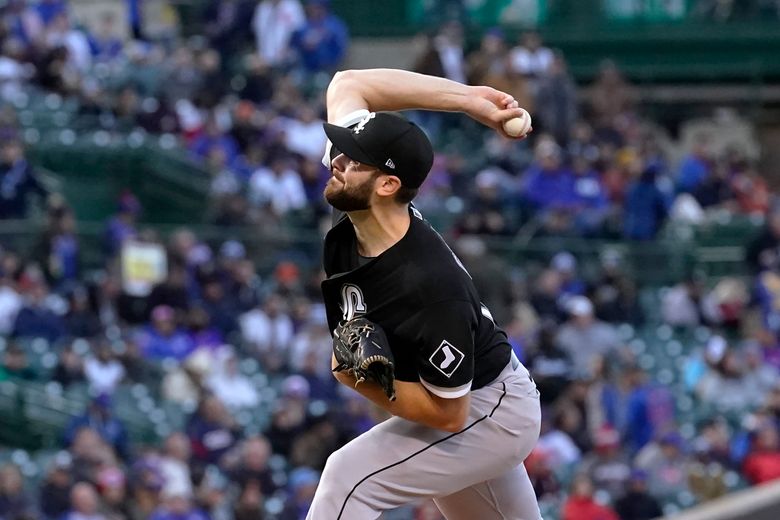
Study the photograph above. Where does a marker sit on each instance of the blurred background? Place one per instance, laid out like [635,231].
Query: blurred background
[163,347]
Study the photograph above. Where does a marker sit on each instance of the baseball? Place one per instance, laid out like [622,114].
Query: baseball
[518,126]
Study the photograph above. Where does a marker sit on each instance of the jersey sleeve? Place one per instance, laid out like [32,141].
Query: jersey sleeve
[446,355]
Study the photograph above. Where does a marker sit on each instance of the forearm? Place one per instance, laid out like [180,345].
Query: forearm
[391,89]
[413,402]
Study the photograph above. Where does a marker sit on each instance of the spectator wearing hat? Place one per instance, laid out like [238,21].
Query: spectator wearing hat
[581,503]
[81,320]
[550,365]
[112,488]
[247,465]
[174,291]
[290,417]
[683,305]
[566,265]
[614,293]
[11,301]
[212,431]
[219,306]
[583,337]
[278,187]
[302,485]
[556,100]
[646,205]
[18,180]
[177,504]
[121,226]
[268,328]
[148,481]
[58,246]
[163,338]
[489,65]
[649,408]
[322,41]
[762,463]
[202,334]
[667,465]
[103,370]
[175,460]
[547,183]
[249,505]
[36,319]
[637,503]
[244,286]
[724,383]
[99,416]
[555,439]
[589,197]
[544,480]
[15,365]
[229,385]
[54,493]
[607,466]
[273,23]
[545,296]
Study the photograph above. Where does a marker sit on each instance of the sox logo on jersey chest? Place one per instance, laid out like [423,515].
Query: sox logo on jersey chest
[352,301]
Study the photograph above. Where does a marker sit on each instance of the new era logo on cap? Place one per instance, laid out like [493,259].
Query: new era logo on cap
[446,358]
[390,164]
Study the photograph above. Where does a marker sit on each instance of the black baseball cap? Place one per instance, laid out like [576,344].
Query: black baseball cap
[389,142]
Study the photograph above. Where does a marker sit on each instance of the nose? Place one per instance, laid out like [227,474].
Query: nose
[339,162]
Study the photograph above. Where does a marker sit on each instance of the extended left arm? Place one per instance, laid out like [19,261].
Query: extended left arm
[413,402]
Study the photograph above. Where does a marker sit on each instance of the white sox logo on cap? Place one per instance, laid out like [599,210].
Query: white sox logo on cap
[363,122]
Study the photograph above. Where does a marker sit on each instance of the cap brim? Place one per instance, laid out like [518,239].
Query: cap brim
[343,139]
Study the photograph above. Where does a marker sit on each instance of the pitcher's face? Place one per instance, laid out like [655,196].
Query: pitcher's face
[351,184]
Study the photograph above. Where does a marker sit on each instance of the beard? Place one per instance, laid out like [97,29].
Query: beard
[345,198]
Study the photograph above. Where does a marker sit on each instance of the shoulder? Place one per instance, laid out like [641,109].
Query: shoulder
[436,270]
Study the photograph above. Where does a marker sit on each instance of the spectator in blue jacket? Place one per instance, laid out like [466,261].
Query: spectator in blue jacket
[322,42]
[548,183]
[162,338]
[18,180]
[696,167]
[99,416]
[36,319]
[646,207]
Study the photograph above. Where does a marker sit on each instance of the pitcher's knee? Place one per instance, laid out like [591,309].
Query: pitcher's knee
[345,482]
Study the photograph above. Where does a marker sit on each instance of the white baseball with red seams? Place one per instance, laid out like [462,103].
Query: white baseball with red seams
[518,126]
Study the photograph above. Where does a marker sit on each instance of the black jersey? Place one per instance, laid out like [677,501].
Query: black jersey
[419,292]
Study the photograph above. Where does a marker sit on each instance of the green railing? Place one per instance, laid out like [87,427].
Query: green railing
[716,249]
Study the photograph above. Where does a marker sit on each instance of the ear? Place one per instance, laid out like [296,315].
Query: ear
[387,185]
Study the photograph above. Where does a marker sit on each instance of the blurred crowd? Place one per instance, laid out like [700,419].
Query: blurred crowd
[245,99]
[244,354]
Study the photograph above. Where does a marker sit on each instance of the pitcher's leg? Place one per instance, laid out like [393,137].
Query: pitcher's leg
[398,461]
[508,497]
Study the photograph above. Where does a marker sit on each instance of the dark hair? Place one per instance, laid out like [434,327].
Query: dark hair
[405,195]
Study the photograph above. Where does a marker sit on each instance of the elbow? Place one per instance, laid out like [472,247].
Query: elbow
[343,81]
[453,423]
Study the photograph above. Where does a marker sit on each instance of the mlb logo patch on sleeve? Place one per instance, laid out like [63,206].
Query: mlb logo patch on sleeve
[447,358]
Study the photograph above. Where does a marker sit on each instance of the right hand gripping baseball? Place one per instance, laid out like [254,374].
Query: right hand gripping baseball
[362,350]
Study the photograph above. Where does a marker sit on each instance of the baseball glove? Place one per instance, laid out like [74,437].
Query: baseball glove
[362,350]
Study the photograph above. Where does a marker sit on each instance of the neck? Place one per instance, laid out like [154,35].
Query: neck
[379,228]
